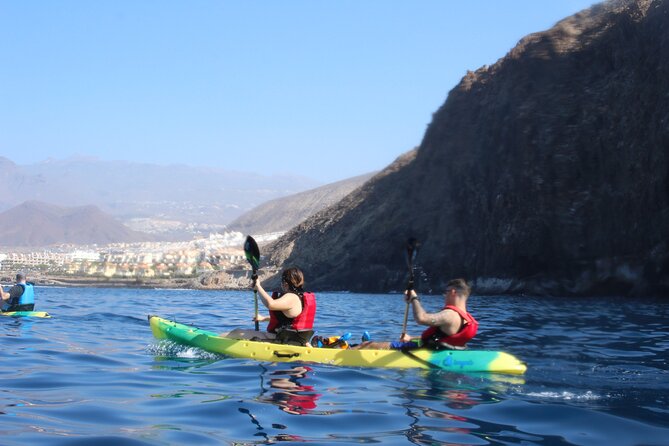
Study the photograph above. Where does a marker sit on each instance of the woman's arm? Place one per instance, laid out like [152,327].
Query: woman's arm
[4,296]
[263,294]
[284,303]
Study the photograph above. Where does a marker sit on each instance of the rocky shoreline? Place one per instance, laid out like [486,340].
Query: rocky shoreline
[216,280]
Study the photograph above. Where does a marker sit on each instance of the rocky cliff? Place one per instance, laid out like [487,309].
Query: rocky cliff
[543,173]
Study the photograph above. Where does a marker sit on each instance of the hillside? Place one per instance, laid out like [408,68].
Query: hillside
[544,173]
[282,214]
[36,224]
[130,190]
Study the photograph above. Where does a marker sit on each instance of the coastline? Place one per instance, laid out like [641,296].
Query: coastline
[215,280]
[96,282]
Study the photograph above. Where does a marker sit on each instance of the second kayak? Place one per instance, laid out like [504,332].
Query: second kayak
[24,313]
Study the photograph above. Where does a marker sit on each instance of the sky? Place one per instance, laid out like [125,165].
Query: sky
[323,89]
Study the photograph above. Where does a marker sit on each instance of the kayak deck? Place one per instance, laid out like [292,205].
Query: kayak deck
[453,360]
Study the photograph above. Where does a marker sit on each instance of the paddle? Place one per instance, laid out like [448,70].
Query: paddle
[412,250]
[252,254]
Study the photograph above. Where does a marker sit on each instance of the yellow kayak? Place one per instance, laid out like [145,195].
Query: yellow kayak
[452,360]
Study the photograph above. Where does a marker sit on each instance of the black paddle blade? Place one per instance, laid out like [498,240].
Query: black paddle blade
[252,253]
[412,250]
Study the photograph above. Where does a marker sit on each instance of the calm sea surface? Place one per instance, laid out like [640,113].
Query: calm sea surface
[93,374]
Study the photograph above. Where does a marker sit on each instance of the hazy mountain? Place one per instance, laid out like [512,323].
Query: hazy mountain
[133,190]
[36,224]
[282,214]
[546,172]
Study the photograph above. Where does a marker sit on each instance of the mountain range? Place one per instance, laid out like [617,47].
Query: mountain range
[129,190]
[36,223]
[40,224]
[544,173]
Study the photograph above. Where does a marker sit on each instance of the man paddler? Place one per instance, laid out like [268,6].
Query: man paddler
[21,296]
[450,328]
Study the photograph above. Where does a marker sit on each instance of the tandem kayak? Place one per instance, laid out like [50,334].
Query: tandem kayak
[24,313]
[452,360]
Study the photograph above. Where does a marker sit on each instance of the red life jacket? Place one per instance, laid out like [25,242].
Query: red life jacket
[433,337]
[302,322]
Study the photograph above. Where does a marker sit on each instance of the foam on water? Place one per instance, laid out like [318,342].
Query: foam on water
[171,349]
[566,396]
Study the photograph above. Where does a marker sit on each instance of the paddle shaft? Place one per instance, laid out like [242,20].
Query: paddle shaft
[406,318]
[255,298]
[411,251]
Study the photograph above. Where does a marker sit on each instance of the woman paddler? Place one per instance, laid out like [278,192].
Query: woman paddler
[291,312]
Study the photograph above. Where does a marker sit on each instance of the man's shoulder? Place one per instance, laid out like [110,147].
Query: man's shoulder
[449,310]
[451,314]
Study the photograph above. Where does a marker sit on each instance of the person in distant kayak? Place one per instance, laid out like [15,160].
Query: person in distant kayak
[291,312]
[21,297]
[450,328]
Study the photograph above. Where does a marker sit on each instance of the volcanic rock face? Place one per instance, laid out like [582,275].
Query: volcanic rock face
[543,173]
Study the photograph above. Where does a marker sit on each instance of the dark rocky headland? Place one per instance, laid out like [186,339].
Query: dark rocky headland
[545,173]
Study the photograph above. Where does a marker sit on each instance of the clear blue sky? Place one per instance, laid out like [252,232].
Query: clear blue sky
[328,89]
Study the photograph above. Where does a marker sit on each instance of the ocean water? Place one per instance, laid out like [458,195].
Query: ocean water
[598,374]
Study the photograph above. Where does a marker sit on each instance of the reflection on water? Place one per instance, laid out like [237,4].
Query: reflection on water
[18,326]
[440,406]
[262,432]
[424,407]
[291,394]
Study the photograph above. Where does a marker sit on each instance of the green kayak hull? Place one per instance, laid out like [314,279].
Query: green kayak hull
[24,313]
[452,360]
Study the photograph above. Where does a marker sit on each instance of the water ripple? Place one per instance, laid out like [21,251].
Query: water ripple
[93,374]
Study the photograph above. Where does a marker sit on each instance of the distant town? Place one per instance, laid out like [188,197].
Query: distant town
[149,260]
